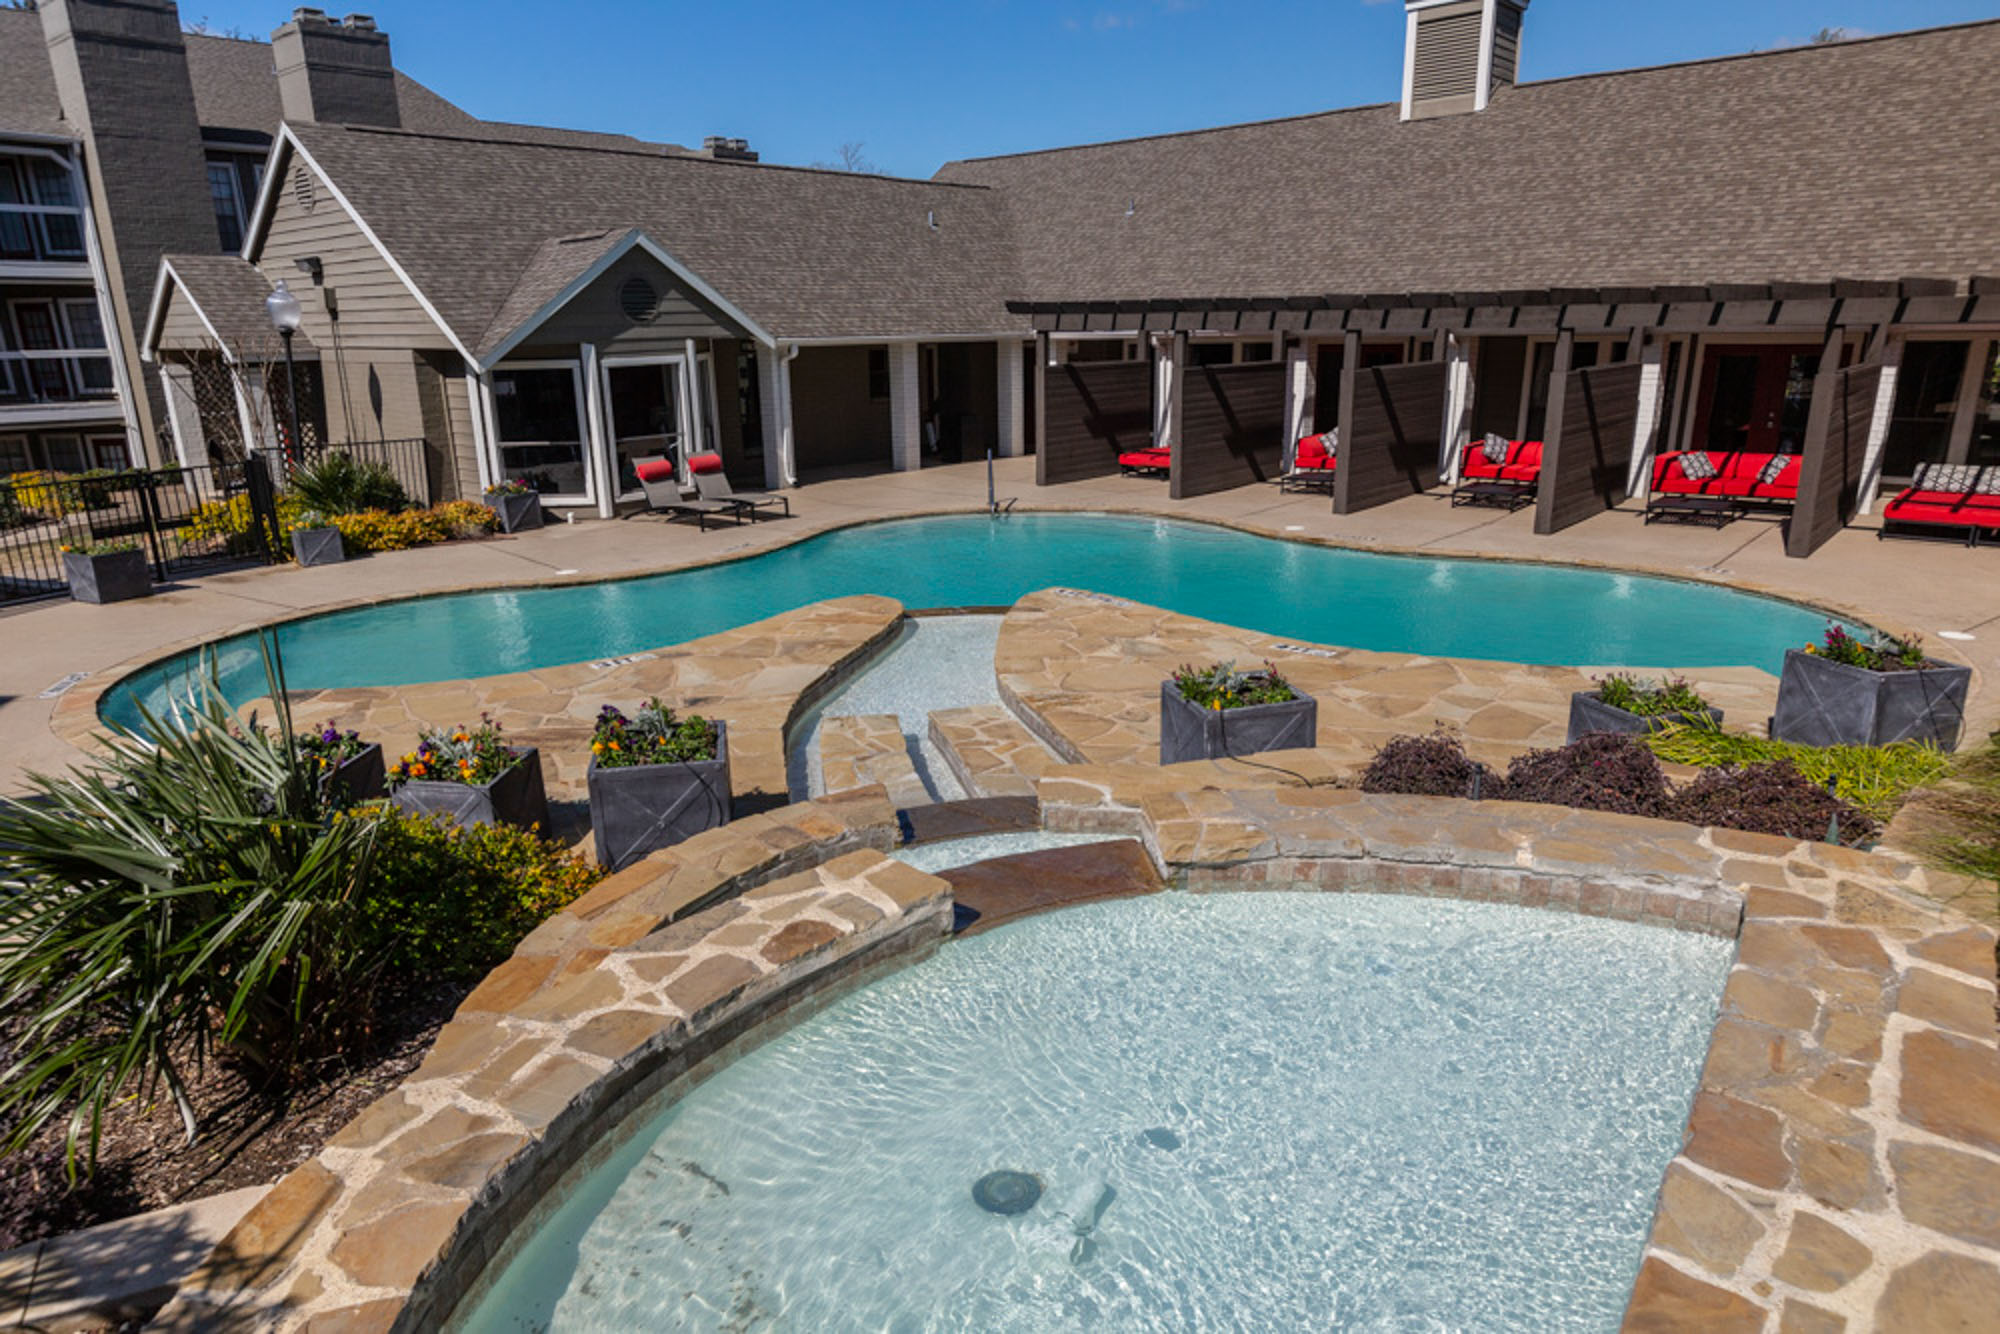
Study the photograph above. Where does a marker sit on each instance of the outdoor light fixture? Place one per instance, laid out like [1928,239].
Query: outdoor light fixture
[286,317]
[311,266]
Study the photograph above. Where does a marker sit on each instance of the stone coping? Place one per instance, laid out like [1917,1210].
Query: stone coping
[1841,1155]
[75,715]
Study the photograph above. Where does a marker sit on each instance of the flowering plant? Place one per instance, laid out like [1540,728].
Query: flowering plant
[1650,699]
[474,756]
[512,486]
[309,519]
[1221,686]
[329,748]
[102,548]
[1883,653]
[656,736]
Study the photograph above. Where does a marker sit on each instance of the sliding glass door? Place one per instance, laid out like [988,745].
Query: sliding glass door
[646,410]
[539,425]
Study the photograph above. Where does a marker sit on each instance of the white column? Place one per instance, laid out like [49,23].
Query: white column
[1011,430]
[1298,398]
[183,415]
[1163,393]
[694,429]
[774,396]
[485,444]
[599,453]
[1458,405]
[906,441]
[1645,433]
[1878,426]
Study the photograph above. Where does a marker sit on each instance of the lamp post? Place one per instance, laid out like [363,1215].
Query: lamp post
[286,316]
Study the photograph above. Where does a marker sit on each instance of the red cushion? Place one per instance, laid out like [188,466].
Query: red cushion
[654,470]
[1944,507]
[1312,453]
[1523,464]
[1147,458]
[705,463]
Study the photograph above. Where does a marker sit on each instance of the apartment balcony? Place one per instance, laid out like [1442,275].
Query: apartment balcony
[54,388]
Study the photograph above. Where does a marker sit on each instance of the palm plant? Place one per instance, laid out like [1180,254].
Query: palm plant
[193,890]
[342,484]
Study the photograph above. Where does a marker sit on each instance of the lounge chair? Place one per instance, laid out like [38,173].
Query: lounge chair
[1314,461]
[1146,462]
[1738,480]
[1508,482]
[712,483]
[1946,496]
[663,493]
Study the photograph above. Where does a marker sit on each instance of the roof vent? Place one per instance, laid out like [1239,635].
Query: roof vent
[1458,54]
[639,299]
[304,192]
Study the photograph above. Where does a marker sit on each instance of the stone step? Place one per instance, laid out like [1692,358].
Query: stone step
[860,749]
[990,752]
[987,893]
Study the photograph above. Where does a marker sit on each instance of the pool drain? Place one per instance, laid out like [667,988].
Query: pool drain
[1006,1192]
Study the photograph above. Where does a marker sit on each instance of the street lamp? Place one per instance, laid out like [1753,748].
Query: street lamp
[286,317]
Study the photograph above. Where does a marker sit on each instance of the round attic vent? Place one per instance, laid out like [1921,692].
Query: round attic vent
[639,300]
[304,192]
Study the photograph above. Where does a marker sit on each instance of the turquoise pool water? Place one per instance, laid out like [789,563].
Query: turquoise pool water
[1453,607]
[1246,1111]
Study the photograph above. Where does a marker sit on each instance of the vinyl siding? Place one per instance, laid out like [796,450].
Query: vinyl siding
[182,328]
[597,315]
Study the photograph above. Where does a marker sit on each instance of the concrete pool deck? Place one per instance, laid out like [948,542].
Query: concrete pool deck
[1900,585]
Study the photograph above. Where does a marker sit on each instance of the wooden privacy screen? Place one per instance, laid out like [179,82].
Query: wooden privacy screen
[1836,439]
[1391,429]
[1232,429]
[1587,457]
[1095,411]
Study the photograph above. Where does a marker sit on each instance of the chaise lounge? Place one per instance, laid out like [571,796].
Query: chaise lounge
[712,483]
[1498,472]
[1699,483]
[662,486]
[1146,462]
[1945,497]
[1314,460]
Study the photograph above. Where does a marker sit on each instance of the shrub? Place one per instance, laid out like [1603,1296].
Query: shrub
[56,495]
[1968,840]
[1770,798]
[1876,779]
[12,512]
[1221,686]
[453,902]
[1428,766]
[378,530]
[656,736]
[342,484]
[1650,699]
[229,521]
[1605,771]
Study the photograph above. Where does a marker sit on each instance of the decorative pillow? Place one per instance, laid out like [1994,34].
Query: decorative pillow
[1772,470]
[1952,478]
[1697,466]
[1989,481]
[1495,448]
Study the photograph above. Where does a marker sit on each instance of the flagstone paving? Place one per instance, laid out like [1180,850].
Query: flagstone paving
[858,749]
[989,750]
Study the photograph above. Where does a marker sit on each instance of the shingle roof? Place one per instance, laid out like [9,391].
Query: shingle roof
[28,100]
[803,253]
[1867,159]
[556,264]
[230,295]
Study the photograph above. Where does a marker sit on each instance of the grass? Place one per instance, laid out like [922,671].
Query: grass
[1969,807]
[1875,779]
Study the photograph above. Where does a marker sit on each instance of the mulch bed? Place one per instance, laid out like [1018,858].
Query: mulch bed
[248,1138]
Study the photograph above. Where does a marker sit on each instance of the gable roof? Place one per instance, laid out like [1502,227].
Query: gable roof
[1870,159]
[29,103]
[228,294]
[798,253]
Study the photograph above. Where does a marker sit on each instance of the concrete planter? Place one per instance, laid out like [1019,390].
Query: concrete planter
[358,779]
[1188,732]
[118,577]
[516,797]
[1588,714]
[317,546]
[645,807]
[517,514]
[1827,703]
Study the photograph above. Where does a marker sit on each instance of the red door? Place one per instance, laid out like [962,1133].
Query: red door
[1755,397]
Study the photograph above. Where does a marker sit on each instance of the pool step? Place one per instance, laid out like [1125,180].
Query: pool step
[991,892]
[859,749]
[989,751]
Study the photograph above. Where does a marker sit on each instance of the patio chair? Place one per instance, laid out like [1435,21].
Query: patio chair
[712,483]
[1314,461]
[663,493]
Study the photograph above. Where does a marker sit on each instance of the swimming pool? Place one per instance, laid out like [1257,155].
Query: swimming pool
[1268,1111]
[1435,605]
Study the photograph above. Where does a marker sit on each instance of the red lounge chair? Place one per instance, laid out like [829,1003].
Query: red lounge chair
[663,493]
[1147,462]
[1509,483]
[1313,463]
[712,483]
[1946,497]
[1739,476]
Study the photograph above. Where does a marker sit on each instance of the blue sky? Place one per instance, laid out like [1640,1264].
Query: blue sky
[921,81]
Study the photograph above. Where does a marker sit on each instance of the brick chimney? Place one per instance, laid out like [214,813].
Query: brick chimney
[335,70]
[724,149]
[1458,54]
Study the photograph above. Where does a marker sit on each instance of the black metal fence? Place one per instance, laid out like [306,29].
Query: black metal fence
[184,518]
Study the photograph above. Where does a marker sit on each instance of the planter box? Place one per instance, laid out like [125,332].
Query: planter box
[317,546]
[115,578]
[1588,714]
[646,807]
[517,513]
[1827,703]
[1191,733]
[515,797]
[358,779]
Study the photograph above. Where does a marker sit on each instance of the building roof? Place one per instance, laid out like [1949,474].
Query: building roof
[802,253]
[29,103]
[229,294]
[1871,159]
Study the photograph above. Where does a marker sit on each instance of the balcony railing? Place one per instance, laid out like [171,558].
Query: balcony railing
[66,375]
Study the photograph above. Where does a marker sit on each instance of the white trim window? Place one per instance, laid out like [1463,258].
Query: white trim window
[539,428]
[233,182]
[41,217]
[645,415]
